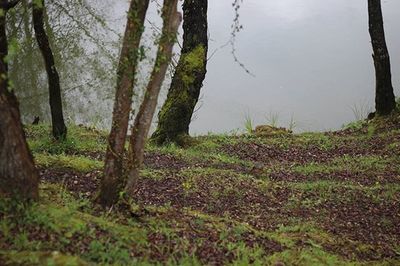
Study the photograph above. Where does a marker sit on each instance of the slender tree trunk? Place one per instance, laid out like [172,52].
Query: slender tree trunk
[140,130]
[113,181]
[57,118]
[177,111]
[384,99]
[18,175]
[30,44]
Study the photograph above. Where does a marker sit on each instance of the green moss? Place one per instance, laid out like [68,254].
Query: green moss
[192,62]
[270,131]
[347,163]
[197,153]
[40,258]
[319,140]
[60,162]
[311,256]
[290,235]
[79,139]
[81,232]
[59,218]
[175,115]
[153,174]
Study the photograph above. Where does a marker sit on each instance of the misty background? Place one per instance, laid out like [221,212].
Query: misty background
[310,62]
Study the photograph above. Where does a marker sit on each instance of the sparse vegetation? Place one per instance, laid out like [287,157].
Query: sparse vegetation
[273,119]
[292,200]
[266,196]
[248,124]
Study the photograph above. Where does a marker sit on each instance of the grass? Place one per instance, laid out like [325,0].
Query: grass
[219,211]
[59,217]
[248,124]
[361,110]
[65,162]
[273,119]
[70,225]
[79,139]
[206,151]
[347,163]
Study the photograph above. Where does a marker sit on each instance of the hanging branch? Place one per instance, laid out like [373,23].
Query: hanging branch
[236,28]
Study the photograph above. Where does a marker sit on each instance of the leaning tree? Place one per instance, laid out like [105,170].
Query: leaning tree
[18,175]
[57,117]
[115,180]
[140,129]
[385,101]
[176,114]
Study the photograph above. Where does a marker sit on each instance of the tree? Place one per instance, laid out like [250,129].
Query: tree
[177,111]
[385,101]
[81,38]
[18,175]
[112,182]
[140,130]
[57,117]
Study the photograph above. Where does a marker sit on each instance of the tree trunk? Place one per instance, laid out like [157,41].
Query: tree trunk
[29,43]
[177,111]
[18,175]
[113,181]
[57,118]
[385,101]
[140,130]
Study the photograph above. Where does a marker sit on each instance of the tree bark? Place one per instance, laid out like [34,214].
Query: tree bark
[385,101]
[57,118]
[18,175]
[176,114]
[113,181]
[30,44]
[140,130]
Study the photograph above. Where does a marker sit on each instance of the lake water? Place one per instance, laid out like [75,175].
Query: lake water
[311,62]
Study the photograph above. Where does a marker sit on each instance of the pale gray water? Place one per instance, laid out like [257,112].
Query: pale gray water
[311,60]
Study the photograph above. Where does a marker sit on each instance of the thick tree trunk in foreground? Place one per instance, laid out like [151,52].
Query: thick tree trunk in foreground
[57,118]
[176,113]
[18,175]
[385,101]
[113,181]
[140,130]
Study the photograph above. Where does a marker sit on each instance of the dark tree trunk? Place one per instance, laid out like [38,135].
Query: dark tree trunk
[57,118]
[140,130]
[18,175]
[113,181]
[176,113]
[384,98]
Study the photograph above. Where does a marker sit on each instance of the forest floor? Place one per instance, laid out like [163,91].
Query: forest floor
[305,199]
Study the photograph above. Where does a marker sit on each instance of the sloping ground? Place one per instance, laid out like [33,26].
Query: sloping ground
[309,199]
